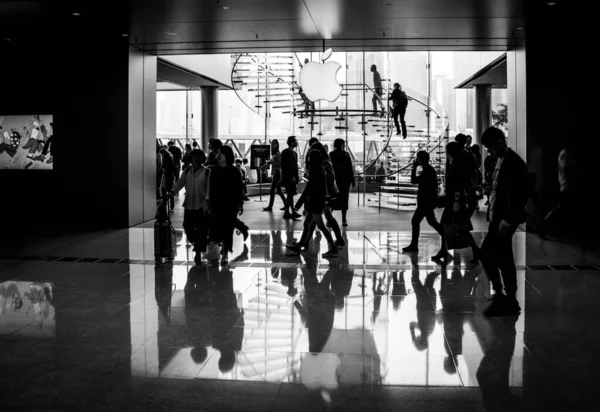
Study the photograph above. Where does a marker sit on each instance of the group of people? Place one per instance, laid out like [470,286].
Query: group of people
[398,99]
[214,196]
[329,178]
[508,195]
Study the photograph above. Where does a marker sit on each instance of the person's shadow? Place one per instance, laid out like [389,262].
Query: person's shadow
[493,374]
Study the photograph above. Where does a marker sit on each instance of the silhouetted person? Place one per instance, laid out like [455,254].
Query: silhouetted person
[195,220]
[508,198]
[344,177]
[378,91]
[290,177]
[186,159]
[400,102]
[427,194]
[213,145]
[458,183]
[470,163]
[425,321]
[302,199]
[177,157]
[225,200]
[381,173]
[168,176]
[275,163]
[489,164]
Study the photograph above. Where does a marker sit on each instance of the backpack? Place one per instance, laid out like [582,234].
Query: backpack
[403,99]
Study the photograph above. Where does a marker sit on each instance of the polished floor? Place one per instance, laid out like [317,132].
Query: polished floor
[89,322]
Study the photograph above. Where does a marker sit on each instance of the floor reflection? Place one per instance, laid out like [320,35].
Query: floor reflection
[325,324]
[27,308]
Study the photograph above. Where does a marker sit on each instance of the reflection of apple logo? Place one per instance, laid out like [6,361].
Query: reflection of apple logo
[318,81]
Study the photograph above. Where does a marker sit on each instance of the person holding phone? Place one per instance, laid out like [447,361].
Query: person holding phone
[427,193]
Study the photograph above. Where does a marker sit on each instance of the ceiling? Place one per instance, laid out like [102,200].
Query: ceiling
[203,26]
[494,75]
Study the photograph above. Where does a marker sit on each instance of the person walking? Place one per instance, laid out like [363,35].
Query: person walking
[238,164]
[344,177]
[378,91]
[276,181]
[186,159]
[456,211]
[315,205]
[427,194]
[489,164]
[469,162]
[302,199]
[177,156]
[400,103]
[225,200]
[168,176]
[195,221]
[289,176]
[214,145]
[508,199]
[330,198]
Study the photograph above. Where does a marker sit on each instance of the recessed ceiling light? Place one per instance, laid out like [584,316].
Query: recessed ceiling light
[551,3]
[8,39]
[76,14]
[125,35]
[519,28]
[226,8]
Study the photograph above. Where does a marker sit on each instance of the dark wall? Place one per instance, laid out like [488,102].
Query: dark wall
[560,109]
[85,85]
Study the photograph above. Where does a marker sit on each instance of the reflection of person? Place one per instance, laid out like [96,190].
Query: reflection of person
[225,200]
[378,91]
[195,222]
[508,199]
[425,305]
[400,102]
[275,163]
[497,341]
[227,320]
[197,301]
[344,177]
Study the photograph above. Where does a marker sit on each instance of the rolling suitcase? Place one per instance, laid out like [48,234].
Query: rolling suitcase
[164,234]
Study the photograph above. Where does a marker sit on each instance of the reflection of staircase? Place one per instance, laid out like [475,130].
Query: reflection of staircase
[271,330]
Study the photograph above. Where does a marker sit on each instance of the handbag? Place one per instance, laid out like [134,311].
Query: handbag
[457,236]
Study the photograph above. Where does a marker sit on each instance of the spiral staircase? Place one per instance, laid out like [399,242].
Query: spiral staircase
[267,84]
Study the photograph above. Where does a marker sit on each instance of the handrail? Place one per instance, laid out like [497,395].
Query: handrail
[363,86]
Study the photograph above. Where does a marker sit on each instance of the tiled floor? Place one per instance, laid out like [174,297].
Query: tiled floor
[101,327]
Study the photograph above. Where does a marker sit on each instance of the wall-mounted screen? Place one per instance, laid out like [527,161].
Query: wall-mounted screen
[26,142]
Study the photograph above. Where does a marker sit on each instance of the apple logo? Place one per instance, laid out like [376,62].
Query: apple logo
[318,81]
